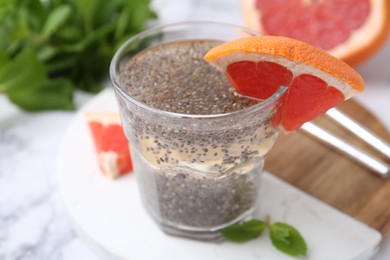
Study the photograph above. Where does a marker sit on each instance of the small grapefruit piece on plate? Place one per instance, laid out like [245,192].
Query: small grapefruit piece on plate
[351,30]
[258,66]
[110,142]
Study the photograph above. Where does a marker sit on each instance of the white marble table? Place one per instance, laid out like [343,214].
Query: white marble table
[33,222]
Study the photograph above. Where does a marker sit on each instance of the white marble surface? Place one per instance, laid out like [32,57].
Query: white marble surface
[33,222]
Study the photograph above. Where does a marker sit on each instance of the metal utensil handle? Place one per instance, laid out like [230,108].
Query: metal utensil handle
[360,131]
[379,167]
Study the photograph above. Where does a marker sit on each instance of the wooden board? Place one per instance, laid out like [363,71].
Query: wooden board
[331,176]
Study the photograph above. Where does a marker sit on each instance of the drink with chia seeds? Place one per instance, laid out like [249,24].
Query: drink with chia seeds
[197,146]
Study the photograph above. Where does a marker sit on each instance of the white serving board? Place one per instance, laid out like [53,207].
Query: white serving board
[109,216]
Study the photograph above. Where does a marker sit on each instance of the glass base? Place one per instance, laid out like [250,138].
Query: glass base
[211,234]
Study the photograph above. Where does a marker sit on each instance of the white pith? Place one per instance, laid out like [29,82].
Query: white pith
[108,163]
[359,39]
[296,67]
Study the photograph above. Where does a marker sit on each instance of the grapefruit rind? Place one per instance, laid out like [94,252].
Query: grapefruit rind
[362,43]
[297,56]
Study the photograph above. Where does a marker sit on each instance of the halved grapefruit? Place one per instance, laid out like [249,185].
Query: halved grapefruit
[110,142]
[351,30]
[257,66]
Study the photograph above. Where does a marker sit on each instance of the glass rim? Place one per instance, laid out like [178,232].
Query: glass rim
[248,110]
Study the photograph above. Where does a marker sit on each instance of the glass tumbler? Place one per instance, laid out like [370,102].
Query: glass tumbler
[196,173]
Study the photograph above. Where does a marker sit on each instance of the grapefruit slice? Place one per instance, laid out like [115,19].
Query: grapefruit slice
[351,30]
[257,66]
[110,142]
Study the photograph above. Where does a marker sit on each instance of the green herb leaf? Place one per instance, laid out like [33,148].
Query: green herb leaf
[50,48]
[56,18]
[245,231]
[3,59]
[54,94]
[25,70]
[287,239]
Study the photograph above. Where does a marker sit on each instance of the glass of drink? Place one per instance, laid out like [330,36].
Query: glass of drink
[197,147]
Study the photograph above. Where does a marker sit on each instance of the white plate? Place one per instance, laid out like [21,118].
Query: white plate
[109,216]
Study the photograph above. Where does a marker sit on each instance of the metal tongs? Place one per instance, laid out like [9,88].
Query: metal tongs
[376,165]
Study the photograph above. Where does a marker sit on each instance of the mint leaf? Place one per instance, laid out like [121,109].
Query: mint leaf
[287,239]
[53,94]
[244,231]
[56,18]
[3,59]
[24,70]
[50,48]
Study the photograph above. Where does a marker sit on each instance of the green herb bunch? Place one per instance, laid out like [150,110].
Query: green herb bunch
[49,48]
[284,237]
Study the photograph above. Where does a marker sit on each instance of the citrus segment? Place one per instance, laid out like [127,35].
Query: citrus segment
[308,97]
[257,66]
[110,142]
[349,29]
[245,76]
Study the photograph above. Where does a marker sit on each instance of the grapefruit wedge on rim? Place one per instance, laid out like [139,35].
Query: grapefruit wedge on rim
[257,66]
[351,30]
